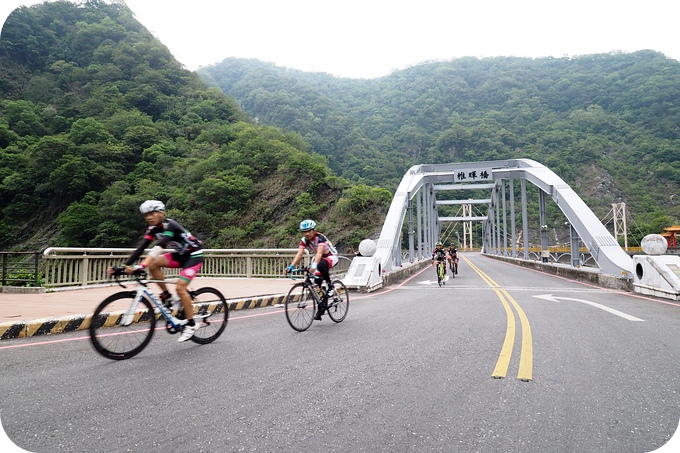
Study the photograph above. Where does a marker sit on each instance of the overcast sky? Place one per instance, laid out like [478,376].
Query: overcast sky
[370,38]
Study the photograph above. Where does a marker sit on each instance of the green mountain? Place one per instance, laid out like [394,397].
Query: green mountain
[608,124]
[97,116]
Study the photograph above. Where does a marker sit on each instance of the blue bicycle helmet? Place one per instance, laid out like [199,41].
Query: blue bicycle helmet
[307,225]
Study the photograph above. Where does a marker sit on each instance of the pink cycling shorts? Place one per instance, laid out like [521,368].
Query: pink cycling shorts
[190,265]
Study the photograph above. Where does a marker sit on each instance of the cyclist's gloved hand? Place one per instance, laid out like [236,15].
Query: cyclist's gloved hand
[138,270]
[289,269]
[117,270]
[313,266]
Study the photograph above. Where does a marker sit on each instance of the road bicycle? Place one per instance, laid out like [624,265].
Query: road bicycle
[123,324]
[304,298]
[441,273]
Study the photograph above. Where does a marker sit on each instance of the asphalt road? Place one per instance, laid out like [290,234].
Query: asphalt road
[413,368]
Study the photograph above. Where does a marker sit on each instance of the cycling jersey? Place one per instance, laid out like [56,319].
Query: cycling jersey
[319,241]
[439,255]
[452,252]
[169,234]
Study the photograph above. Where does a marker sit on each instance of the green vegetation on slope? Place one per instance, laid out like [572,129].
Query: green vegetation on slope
[609,124]
[96,116]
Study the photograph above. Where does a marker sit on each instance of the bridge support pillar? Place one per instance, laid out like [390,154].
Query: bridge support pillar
[525,225]
[575,252]
[544,226]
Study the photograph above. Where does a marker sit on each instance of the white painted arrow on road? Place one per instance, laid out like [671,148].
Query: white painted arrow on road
[552,298]
[433,282]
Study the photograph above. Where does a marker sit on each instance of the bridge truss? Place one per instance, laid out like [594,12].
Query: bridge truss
[415,206]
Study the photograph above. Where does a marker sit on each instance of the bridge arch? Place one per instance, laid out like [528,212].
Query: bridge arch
[415,205]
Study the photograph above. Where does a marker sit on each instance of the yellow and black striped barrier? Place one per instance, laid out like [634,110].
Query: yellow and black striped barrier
[49,326]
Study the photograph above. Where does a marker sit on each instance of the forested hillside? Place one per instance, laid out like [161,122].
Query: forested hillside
[97,116]
[608,124]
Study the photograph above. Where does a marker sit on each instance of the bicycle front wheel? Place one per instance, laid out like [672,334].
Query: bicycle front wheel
[211,312]
[338,305]
[300,307]
[117,334]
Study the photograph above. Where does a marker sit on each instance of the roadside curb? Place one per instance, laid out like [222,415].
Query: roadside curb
[72,323]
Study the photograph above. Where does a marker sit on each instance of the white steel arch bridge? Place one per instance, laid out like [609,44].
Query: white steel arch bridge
[415,206]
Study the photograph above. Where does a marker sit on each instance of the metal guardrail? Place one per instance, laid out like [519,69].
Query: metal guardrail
[19,269]
[70,267]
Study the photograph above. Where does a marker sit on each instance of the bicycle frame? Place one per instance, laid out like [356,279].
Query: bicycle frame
[308,283]
[142,291]
[441,269]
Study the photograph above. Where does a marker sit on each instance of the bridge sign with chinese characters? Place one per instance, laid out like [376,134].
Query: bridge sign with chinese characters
[472,175]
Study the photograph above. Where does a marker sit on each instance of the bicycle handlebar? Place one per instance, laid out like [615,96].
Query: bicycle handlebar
[139,275]
[298,272]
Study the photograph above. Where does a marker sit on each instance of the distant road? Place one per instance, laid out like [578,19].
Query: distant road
[500,359]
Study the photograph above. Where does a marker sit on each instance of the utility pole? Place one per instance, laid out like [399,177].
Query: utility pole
[619,214]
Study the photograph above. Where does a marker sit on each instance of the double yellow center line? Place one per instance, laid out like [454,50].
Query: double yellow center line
[526,361]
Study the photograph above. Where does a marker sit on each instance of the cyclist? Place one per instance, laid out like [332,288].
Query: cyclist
[188,255]
[439,256]
[452,257]
[325,257]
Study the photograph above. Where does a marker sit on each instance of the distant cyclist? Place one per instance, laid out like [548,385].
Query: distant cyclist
[325,257]
[188,255]
[439,256]
[452,258]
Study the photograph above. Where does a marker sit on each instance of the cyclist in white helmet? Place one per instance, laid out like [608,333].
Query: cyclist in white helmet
[188,255]
[325,257]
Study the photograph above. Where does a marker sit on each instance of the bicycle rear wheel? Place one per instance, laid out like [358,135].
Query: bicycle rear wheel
[116,337]
[338,305]
[211,312]
[300,307]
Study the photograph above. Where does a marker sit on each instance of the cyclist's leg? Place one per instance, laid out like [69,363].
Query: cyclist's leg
[156,265]
[323,270]
[190,268]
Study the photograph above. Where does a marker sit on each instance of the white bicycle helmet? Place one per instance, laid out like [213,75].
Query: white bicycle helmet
[307,225]
[151,206]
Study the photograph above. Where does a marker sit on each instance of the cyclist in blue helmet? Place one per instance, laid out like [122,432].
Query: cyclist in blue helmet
[325,257]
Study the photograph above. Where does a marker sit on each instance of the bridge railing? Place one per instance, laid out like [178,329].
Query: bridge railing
[19,268]
[69,267]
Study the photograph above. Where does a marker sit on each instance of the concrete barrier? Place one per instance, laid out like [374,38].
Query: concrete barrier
[403,272]
[583,274]
[22,289]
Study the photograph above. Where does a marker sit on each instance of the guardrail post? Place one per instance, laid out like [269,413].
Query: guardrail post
[83,271]
[36,256]
[4,269]
[249,266]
